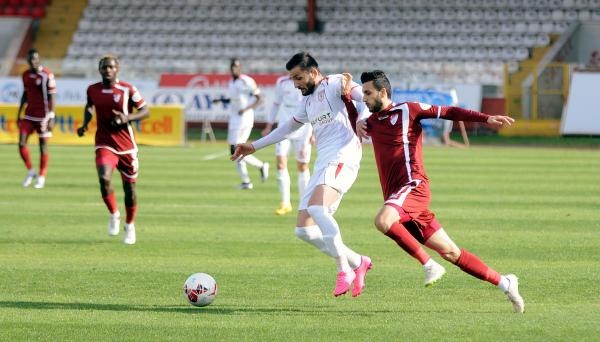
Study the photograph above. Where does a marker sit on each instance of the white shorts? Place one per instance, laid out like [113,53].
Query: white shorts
[238,135]
[339,176]
[302,147]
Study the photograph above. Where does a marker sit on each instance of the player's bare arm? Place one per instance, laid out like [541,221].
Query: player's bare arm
[121,118]
[361,129]
[21,105]
[87,117]
[500,120]
[51,102]
[254,104]
[268,128]
[346,84]
[242,150]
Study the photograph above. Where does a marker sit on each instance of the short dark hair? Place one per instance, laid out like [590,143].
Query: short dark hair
[302,59]
[379,79]
[233,61]
[109,57]
[32,51]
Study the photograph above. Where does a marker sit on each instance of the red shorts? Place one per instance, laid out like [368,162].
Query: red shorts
[127,164]
[27,127]
[412,204]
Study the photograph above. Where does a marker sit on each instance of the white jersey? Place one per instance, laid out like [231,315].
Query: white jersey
[242,92]
[287,98]
[326,112]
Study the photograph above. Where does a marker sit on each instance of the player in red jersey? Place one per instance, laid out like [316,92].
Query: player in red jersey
[113,101]
[39,89]
[395,131]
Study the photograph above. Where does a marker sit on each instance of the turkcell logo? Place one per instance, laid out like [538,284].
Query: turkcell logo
[433,97]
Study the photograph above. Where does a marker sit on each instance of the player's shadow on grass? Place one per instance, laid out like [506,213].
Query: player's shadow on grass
[214,309]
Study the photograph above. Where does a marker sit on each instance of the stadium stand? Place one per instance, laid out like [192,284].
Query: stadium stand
[477,37]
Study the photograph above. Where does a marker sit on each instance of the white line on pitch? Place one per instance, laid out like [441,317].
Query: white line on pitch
[214,155]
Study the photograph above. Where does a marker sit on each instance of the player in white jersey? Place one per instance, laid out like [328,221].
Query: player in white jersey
[338,157]
[287,98]
[244,97]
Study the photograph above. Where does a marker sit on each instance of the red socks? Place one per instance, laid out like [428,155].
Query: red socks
[131,211]
[404,239]
[472,265]
[43,163]
[25,156]
[111,202]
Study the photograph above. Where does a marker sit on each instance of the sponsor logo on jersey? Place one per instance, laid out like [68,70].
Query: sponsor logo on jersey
[322,119]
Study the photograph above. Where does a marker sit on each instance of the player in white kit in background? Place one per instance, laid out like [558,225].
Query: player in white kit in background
[287,98]
[339,152]
[244,97]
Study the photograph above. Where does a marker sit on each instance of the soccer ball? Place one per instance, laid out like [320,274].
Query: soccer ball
[200,289]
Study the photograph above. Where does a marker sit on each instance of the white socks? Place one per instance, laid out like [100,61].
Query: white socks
[243,170]
[503,284]
[333,239]
[283,180]
[252,160]
[303,178]
[314,236]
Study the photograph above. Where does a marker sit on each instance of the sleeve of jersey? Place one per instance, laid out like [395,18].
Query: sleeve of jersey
[137,98]
[277,134]
[426,111]
[355,94]
[51,84]
[254,90]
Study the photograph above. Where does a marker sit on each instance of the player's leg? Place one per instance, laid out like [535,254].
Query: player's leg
[283,177]
[394,222]
[44,156]
[263,167]
[234,136]
[128,167]
[303,150]
[25,129]
[106,161]
[471,264]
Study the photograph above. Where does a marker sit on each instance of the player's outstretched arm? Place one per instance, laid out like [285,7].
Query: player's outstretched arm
[242,150]
[87,117]
[500,120]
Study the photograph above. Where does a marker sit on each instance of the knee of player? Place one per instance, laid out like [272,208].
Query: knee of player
[450,254]
[381,223]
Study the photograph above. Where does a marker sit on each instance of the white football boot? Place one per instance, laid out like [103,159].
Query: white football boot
[433,273]
[114,222]
[40,182]
[129,238]
[513,294]
[31,175]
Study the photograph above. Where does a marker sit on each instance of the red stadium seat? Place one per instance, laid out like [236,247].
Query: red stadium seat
[24,11]
[9,11]
[38,12]
[28,3]
[42,2]
[14,3]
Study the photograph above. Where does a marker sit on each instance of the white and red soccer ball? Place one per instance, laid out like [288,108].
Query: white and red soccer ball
[200,289]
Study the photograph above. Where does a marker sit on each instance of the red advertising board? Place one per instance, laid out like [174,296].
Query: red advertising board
[210,80]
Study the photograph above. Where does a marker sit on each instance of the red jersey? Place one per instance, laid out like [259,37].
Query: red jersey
[38,86]
[396,134]
[121,97]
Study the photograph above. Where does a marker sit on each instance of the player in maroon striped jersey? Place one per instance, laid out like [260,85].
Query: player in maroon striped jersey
[396,133]
[39,89]
[113,102]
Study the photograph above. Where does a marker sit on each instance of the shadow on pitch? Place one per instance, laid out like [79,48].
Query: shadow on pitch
[213,309]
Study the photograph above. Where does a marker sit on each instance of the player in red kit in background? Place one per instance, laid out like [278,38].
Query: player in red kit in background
[39,89]
[395,131]
[113,101]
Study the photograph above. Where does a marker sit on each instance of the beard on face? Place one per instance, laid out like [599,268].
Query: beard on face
[376,106]
[310,88]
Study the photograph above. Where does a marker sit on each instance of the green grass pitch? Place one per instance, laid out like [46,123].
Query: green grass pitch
[534,212]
